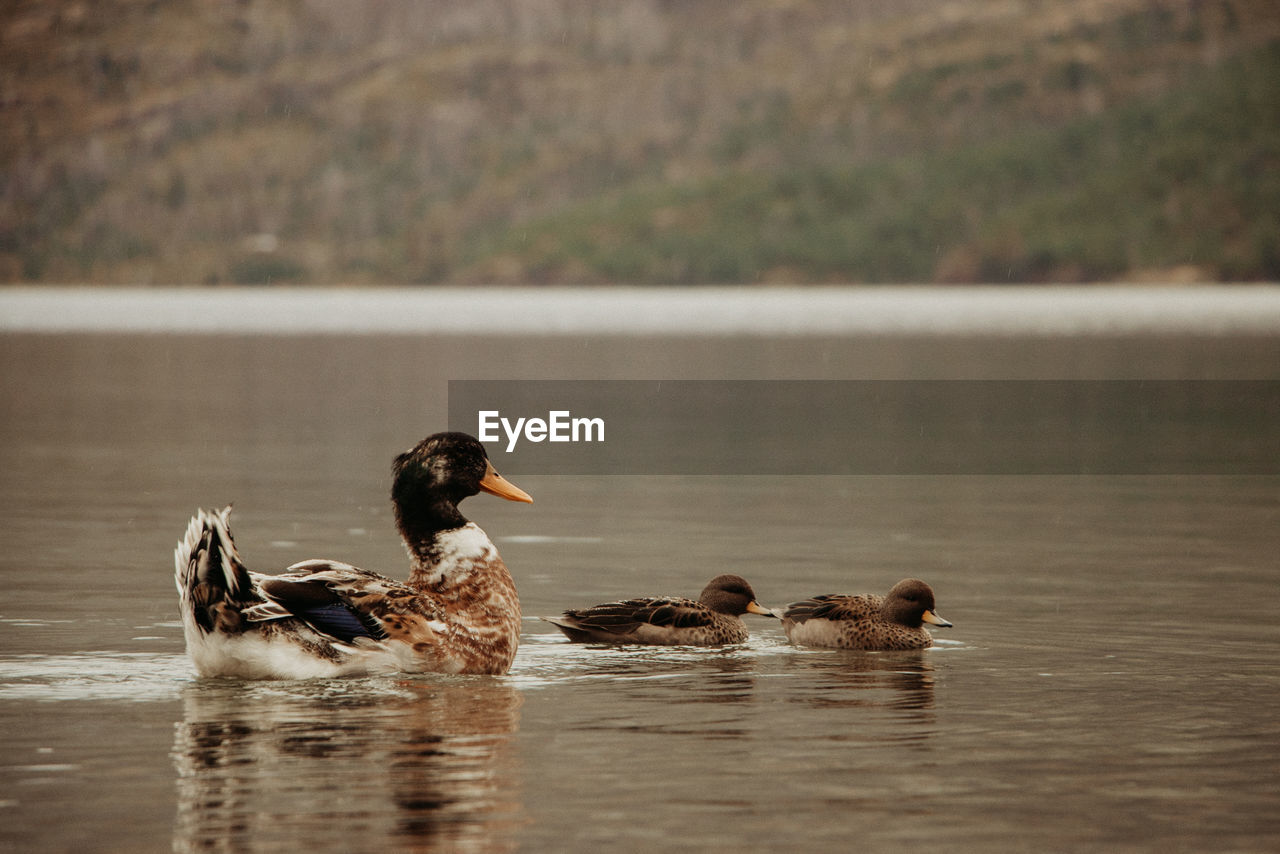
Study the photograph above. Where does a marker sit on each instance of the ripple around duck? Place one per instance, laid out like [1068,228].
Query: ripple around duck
[545,660]
[135,676]
[151,677]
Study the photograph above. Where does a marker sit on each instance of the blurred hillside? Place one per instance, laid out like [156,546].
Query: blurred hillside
[397,141]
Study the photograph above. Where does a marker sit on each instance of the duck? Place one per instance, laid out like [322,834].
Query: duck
[867,621]
[714,619]
[458,612]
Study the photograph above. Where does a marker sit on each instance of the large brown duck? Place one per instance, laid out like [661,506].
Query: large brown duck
[457,613]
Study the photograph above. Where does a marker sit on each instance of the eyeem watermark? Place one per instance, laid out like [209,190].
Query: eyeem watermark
[558,426]
[874,427]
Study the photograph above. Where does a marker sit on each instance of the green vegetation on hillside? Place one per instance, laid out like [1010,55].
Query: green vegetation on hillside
[752,141]
[1191,178]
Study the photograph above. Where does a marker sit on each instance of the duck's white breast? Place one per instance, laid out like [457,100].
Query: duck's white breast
[466,544]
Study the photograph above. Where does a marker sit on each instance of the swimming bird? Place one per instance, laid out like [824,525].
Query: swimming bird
[457,613]
[895,621]
[712,620]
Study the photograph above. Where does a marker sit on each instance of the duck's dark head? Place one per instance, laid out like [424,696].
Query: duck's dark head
[433,476]
[731,594]
[910,603]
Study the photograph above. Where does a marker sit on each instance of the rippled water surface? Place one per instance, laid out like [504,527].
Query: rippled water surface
[1110,683]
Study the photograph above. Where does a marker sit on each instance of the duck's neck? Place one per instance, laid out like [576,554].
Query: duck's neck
[452,557]
[425,529]
[899,612]
[453,560]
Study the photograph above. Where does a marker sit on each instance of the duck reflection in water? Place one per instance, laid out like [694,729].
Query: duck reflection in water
[406,765]
[893,680]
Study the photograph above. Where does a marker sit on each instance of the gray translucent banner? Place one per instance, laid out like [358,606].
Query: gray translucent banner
[873,427]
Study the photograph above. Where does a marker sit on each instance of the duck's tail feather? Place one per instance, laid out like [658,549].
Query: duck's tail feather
[213,584]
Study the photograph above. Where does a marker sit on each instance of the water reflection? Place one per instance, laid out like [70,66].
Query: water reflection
[356,765]
[673,692]
[896,680]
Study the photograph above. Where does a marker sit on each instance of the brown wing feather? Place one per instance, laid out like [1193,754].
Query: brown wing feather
[627,615]
[832,606]
[379,603]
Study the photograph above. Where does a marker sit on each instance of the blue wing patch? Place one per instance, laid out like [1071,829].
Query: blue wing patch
[340,621]
[324,610]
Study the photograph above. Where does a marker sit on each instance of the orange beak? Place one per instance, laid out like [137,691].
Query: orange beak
[494,484]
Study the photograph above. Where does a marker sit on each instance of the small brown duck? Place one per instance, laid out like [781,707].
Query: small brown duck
[713,620]
[866,621]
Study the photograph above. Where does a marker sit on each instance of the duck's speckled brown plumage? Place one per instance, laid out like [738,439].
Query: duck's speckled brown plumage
[713,620]
[457,613]
[865,621]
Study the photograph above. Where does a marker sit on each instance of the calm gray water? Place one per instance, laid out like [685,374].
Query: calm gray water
[1110,684]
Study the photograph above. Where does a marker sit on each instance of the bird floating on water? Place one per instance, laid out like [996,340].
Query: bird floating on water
[865,621]
[457,613]
[712,620]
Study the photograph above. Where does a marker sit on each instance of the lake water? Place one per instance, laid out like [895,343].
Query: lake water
[1110,683]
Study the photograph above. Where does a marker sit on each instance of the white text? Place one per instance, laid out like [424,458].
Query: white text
[558,426]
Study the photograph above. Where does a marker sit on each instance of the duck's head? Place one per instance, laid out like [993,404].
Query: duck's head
[445,468]
[731,594]
[910,603]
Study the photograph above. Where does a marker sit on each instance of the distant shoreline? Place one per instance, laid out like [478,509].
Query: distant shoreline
[789,311]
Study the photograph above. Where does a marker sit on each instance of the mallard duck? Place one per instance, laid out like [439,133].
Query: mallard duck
[867,621]
[457,613]
[668,621]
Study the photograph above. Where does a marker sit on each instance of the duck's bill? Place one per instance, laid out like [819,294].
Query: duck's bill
[930,617]
[755,607]
[495,484]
